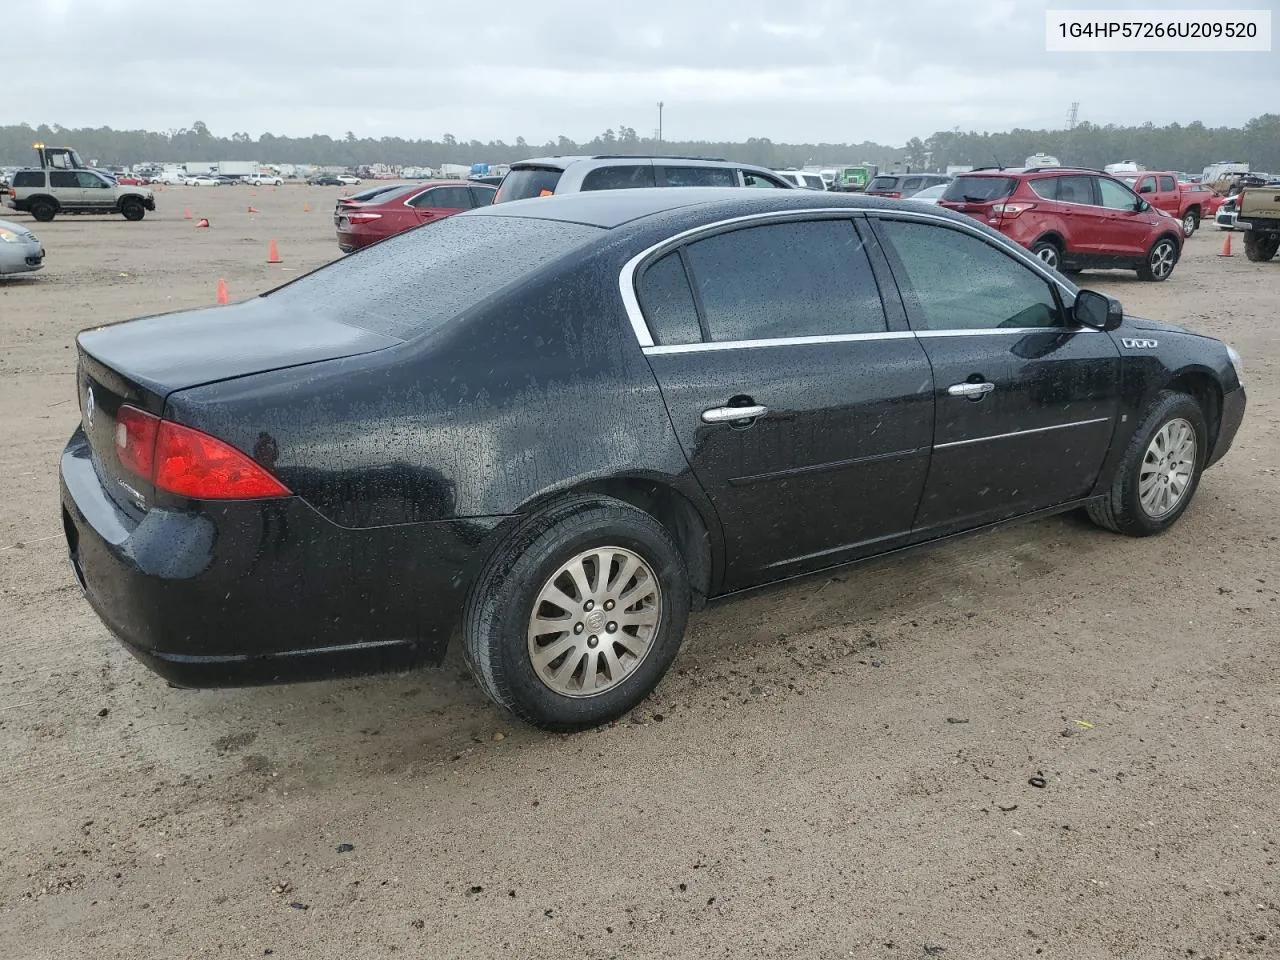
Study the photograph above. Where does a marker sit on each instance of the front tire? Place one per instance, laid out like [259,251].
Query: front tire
[1190,222]
[1261,248]
[1160,470]
[577,617]
[132,210]
[1161,259]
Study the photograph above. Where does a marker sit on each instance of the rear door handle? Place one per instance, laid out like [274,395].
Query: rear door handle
[733,414]
[971,390]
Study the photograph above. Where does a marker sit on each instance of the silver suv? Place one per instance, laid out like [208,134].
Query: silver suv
[46,193]
[555,175]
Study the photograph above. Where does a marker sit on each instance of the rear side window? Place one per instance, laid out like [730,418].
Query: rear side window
[912,184]
[668,304]
[700,177]
[528,182]
[814,182]
[417,281]
[619,178]
[979,189]
[1065,189]
[803,279]
[63,178]
[1167,184]
[28,178]
[888,184]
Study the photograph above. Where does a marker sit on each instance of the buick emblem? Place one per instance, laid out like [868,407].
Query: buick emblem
[88,408]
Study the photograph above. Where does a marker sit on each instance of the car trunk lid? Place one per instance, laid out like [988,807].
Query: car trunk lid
[141,362]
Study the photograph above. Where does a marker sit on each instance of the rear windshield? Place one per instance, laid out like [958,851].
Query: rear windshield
[883,183]
[528,182]
[418,280]
[979,189]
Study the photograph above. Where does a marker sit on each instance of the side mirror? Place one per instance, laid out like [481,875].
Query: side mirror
[1147,188]
[1096,310]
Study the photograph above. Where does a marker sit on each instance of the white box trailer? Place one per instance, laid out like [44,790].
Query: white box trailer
[237,168]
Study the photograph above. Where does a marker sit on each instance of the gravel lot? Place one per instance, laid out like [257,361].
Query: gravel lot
[838,768]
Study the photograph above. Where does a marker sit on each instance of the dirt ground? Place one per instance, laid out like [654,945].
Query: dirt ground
[838,768]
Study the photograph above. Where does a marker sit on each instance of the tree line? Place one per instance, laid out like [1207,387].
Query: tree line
[1174,147]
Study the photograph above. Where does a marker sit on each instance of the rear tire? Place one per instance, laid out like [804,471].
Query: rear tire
[1261,248]
[43,210]
[1145,463]
[1049,253]
[132,209]
[508,604]
[1161,259]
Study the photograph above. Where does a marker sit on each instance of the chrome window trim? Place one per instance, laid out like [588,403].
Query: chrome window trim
[657,351]
[1018,433]
[631,302]
[996,331]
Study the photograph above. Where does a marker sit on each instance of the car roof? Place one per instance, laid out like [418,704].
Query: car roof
[564,163]
[610,209]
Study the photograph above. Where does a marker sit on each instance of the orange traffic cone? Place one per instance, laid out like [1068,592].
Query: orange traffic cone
[253,209]
[222,292]
[187,216]
[306,208]
[273,255]
[202,222]
[1226,246]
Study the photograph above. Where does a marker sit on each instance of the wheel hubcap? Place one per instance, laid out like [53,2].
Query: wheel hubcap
[1050,256]
[1162,260]
[1167,468]
[594,621]
[1189,223]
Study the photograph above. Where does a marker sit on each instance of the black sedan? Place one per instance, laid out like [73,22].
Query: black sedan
[560,424]
[324,182]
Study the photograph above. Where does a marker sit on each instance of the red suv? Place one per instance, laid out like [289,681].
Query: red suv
[1072,219]
[400,208]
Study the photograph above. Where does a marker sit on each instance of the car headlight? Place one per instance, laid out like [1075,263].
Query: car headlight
[1236,362]
[8,236]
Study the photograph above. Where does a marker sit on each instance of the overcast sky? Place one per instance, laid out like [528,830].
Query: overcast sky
[822,70]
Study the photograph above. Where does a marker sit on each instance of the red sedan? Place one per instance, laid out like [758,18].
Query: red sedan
[400,208]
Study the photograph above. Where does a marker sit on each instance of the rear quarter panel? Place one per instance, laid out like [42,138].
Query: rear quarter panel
[535,392]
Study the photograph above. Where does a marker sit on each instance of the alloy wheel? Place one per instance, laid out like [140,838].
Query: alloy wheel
[1162,260]
[1048,254]
[594,621]
[1167,468]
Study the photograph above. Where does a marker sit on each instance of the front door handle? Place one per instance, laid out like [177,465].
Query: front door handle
[733,414]
[974,391]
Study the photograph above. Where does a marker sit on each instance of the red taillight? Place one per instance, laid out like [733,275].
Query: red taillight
[892,195]
[362,217]
[188,462]
[1011,210]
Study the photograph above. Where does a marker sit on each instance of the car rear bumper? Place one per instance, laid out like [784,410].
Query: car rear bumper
[255,592]
[1233,406]
[354,238]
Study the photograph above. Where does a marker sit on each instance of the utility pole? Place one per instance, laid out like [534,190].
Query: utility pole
[659,123]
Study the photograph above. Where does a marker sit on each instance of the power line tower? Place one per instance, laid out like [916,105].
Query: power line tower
[1072,114]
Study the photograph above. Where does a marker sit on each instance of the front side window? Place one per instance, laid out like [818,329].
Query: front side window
[1147,185]
[802,279]
[700,177]
[619,177]
[956,281]
[482,196]
[752,179]
[91,181]
[1114,196]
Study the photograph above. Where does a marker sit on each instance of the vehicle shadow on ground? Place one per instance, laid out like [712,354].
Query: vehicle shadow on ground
[385,725]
